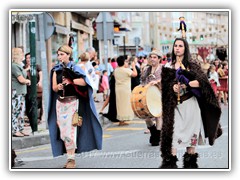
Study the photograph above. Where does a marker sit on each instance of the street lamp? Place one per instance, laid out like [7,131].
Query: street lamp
[105,31]
[124,29]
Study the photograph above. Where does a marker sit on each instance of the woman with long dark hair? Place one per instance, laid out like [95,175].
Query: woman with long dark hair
[190,108]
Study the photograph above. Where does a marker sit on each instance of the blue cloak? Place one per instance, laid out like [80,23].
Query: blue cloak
[89,135]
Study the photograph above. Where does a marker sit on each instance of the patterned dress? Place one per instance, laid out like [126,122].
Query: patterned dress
[65,111]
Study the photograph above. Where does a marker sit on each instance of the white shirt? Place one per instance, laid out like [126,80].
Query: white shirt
[214,76]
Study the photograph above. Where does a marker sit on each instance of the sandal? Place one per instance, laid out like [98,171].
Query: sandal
[123,123]
[18,134]
[70,164]
[24,134]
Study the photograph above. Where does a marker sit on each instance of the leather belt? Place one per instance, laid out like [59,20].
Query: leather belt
[185,97]
[66,98]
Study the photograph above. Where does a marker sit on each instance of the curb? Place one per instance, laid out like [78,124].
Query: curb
[30,141]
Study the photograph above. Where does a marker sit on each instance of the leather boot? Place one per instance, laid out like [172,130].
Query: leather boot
[169,162]
[155,136]
[190,160]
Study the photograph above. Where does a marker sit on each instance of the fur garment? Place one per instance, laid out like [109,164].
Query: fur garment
[210,109]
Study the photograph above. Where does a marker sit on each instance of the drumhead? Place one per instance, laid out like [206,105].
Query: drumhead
[154,101]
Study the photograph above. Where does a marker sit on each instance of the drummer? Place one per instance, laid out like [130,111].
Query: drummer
[152,75]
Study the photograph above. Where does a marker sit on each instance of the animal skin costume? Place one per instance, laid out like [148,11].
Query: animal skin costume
[208,104]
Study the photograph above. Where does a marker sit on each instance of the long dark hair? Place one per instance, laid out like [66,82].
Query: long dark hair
[187,55]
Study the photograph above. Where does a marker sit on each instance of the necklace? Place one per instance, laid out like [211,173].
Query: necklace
[153,72]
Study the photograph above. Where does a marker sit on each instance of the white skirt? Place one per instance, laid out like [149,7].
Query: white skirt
[188,128]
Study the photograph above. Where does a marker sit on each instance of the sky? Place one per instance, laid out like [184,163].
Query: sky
[123,4]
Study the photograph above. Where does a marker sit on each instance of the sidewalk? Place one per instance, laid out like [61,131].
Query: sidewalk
[41,137]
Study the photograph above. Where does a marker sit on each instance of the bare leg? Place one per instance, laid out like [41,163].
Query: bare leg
[159,123]
[71,152]
[105,104]
[149,122]
[190,158]
[70,159]
[225,98]
[220,96]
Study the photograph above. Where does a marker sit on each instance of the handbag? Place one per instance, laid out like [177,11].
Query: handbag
[76,119]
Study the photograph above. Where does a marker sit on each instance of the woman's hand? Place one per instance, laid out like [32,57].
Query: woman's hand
[28,82]
[39,84]
[60,86]
[176,87]
[66,81]
[27,68]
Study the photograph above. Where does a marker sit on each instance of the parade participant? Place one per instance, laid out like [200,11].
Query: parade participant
[93,78]
[111,102]
[71,92]
[151,75]
[190,108]
[123,76]
[213,78]
[91,73]
[223,79]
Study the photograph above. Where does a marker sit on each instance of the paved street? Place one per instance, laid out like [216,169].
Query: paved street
[127,147]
